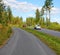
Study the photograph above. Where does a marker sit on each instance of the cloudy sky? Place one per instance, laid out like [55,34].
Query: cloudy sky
[26,8]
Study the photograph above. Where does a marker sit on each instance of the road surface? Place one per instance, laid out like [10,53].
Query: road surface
[24,43]
[51,32]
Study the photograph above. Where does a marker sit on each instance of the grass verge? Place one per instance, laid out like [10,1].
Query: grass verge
[51,41]
[5,33]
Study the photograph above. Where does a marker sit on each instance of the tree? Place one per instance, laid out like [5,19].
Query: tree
[48,5]
[2,9]
[17,21]
[30,21]
[21,21]
[9,14]
[37,16]
[42,11]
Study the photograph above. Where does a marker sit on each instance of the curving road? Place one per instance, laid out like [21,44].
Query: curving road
[51,32]
[24,43]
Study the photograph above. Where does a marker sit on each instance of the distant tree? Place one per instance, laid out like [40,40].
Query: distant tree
[42,21]
[21,21]
[37,16]
[30,21]
[56,23]
[17,21]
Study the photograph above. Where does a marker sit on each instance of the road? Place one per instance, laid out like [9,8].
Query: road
[24,43]
[51,32]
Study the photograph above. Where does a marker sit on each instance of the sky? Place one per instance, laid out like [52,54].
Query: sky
[27,8]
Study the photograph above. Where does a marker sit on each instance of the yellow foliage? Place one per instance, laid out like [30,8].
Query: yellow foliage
[1,26]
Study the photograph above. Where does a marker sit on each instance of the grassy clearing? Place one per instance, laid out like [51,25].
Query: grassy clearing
[51,41]
[5,33]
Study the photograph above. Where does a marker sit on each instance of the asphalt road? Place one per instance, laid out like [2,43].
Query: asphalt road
[51,32]
[24,43]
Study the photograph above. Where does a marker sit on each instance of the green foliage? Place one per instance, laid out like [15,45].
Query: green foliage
[51,41]
[37,16]
[5,33]
[30,21]
[5,14]
[17,21]
[2,9]
[7,20]
[54,26]
[9,14]
[47,10]
[42,21]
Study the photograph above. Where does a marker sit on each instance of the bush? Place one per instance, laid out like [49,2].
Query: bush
[54,27]
[4,34]
[1,26]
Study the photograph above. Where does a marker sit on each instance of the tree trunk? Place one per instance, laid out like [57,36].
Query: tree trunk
[49,17]
[46,17]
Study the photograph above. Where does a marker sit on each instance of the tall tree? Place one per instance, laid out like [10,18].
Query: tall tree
[9,14]
[37,16]
[48,5]
[42,11]
[2,9]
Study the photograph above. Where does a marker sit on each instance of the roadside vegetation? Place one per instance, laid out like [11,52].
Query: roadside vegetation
[52,41]
[30,22]
[5,33]
[54,26]
[7,21]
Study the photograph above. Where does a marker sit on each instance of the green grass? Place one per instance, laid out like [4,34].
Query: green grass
[53,26]
[5,33]
[51,41]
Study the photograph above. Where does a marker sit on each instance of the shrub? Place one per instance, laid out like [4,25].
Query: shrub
[54,27]
[4,34]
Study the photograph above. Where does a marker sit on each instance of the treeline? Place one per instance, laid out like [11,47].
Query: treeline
[42,21]
[7,20]
[17,21]
[6,16]
[43,17]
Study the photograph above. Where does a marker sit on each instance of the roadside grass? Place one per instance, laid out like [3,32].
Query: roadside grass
[5,33]
[51,41]
[55,27]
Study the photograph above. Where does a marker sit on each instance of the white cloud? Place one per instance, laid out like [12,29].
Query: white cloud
[31,15]
[55,10]
[22,6]
[27,7]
